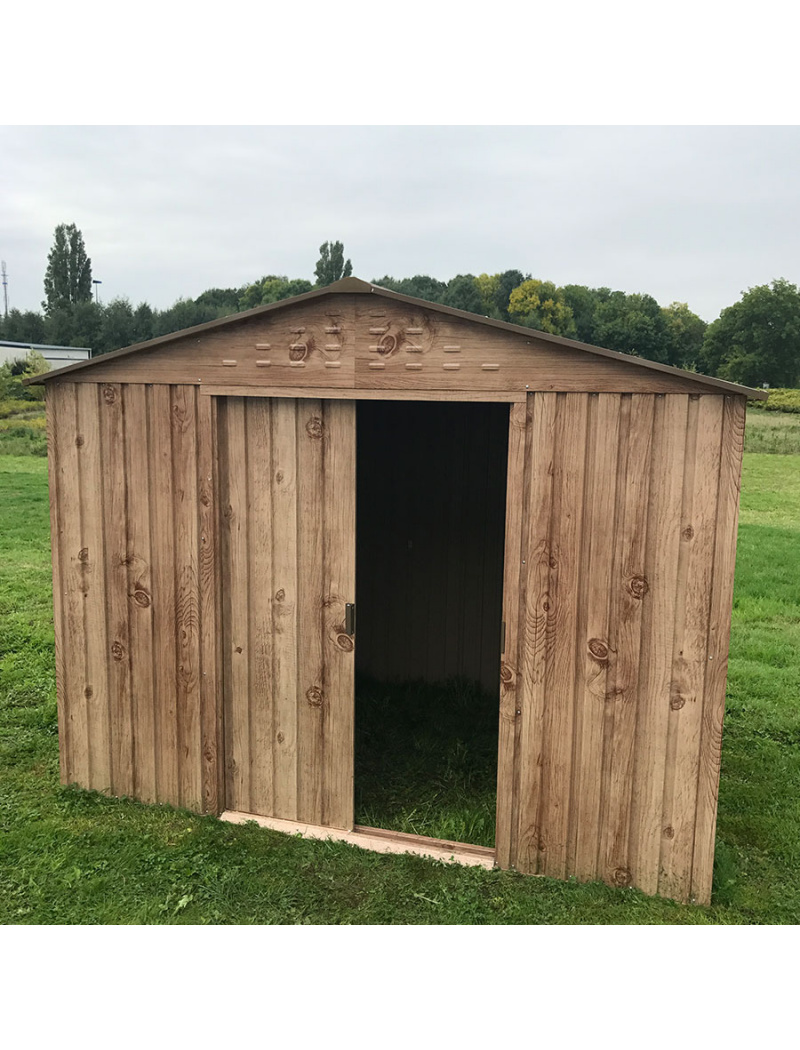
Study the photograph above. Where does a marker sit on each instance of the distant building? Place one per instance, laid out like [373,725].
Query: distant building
[55,356]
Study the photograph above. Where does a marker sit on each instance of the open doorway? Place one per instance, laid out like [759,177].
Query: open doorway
[431,489]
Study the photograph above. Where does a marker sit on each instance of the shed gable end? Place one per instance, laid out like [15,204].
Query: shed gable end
[370,342]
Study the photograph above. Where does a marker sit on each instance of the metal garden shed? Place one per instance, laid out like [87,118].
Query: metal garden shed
[208,543]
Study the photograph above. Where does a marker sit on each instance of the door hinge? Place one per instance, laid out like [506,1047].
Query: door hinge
[350,618]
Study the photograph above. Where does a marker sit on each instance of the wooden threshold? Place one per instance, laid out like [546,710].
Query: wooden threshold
[344,394]
[376,839]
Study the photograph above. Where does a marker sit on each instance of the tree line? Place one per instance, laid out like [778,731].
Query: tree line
[754,341]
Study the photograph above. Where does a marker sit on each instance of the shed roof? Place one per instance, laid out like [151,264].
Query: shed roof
[353,285]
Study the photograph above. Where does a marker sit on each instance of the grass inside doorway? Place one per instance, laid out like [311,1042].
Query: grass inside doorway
[426,759]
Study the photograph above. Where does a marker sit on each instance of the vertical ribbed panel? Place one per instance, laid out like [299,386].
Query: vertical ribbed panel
[620,547]
[125,461]
[624,531]
[288,568]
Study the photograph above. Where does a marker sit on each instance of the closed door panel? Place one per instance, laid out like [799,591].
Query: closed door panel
[287,476]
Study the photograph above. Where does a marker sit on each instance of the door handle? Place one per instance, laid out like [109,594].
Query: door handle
[350,619]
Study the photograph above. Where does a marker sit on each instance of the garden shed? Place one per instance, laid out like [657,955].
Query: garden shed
[233,505]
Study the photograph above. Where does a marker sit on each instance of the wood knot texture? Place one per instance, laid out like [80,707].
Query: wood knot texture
[638,586]
[315,428]
[314,696]
[598,649]
[621,646]
[109,395]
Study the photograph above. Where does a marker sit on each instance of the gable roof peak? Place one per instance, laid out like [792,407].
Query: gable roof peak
[350,284]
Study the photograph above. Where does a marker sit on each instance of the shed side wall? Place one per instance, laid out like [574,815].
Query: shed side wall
[134,514]
[613,681]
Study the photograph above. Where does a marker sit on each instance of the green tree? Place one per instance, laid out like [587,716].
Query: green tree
[488,285]
[463,294]
[271,289]
[22,327]
[13,372]
[540,305]
[506,283]
[59,326]
[685,334]
[224,300]
[757,340]
[633,324]
[119,325]
[584,302]
[68,278]
[419,287]
[142,323]
[87,324]
[184,313]
[495,290]
[331,265]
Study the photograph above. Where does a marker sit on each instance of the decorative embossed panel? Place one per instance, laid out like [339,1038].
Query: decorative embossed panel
[369,342]
[307,345]
[401,346]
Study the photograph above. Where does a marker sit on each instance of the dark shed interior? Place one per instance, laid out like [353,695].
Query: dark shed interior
[430,534]
[429,575]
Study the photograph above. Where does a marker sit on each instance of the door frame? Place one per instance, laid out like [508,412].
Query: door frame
[508,728]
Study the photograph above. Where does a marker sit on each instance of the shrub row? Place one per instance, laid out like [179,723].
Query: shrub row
[782,400]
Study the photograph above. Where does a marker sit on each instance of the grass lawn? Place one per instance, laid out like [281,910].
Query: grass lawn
[70,856]
[775,432]
[22,428]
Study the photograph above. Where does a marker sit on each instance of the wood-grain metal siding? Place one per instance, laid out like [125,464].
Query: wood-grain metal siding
[620,544]
[287,471]
[620,540]
[134,578]
[364,343]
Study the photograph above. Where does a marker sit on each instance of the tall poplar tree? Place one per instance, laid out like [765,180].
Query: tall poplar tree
[68,278]
[331,265]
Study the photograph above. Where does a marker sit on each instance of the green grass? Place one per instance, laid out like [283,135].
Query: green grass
[22,428]
[426,759]
[71,856]
[772,432]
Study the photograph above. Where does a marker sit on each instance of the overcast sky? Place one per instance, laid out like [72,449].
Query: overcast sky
[690,214]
